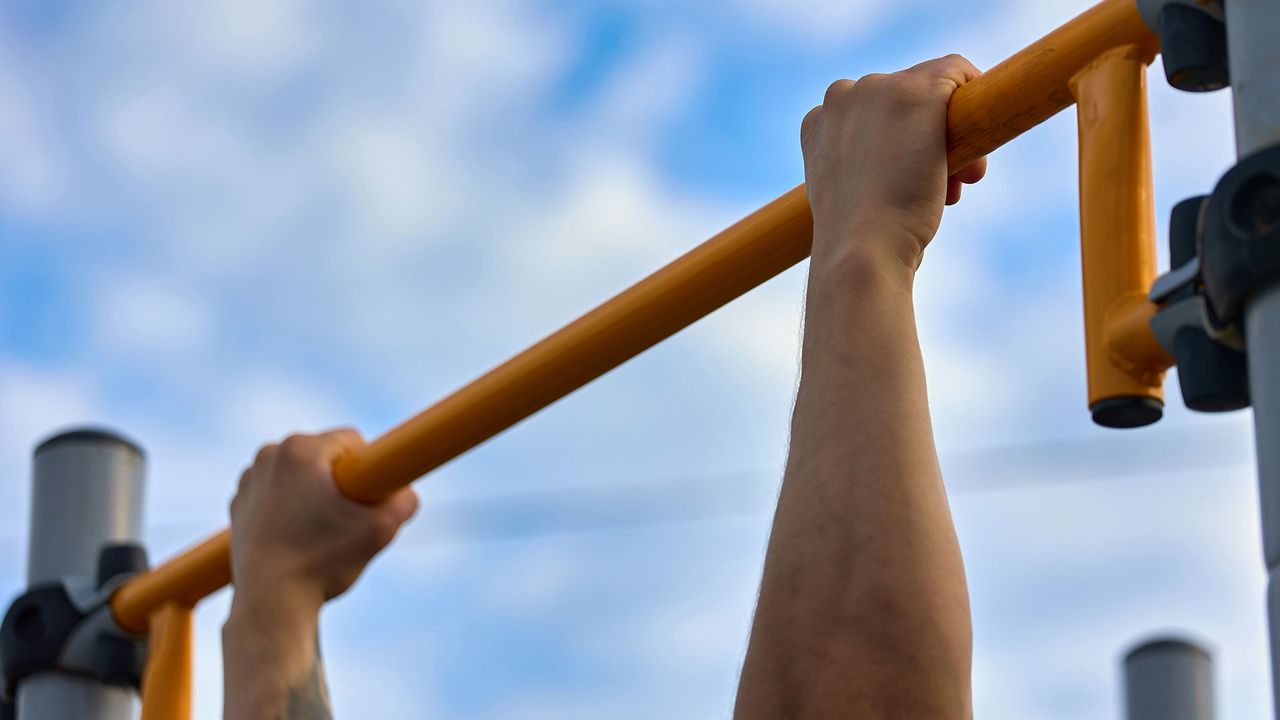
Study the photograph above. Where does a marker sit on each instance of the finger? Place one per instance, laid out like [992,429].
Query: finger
[973,172]
[242,488]
[243,485]
[810,124]
[955,69]
[403,504]
[954,188]
[334,444]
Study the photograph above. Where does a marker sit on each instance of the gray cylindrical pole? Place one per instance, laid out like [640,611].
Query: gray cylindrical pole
[1168,679]
[1254,55]
[1262,328]
[87,490]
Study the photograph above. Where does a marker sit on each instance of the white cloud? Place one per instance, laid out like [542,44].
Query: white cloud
[35,403]
[823,21]
[149,316]
[1074,581]
[653,84]
[395,180]
[32,163]
[239,38]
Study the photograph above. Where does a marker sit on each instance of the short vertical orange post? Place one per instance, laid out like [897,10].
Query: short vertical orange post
[1117,236]
[166,685]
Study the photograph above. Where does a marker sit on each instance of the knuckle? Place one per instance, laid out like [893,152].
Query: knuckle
[963,62]
[837,90]
[345,436]
[264,454]
[294,449]
[870,84]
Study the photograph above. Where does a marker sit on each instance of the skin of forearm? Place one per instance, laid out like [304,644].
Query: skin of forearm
[271,660]
[863,610]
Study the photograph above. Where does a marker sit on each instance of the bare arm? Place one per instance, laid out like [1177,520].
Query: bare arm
[296,543]
[863,609]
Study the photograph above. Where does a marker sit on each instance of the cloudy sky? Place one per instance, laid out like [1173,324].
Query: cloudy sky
[220,222]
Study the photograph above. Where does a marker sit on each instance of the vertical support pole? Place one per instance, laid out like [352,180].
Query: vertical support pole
[1168,680]
[1262,330]
[87,490]
[1117,231]
[1254,55]
[166,686]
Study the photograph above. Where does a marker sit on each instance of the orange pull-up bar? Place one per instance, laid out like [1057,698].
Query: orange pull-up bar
[1011,98]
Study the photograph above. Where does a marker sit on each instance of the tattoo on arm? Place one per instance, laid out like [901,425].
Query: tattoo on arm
[309,700]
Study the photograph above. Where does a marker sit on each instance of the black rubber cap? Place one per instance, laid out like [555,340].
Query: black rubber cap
[92,434]
[1213,377]
[1193,45]
[120,559]
[1127,412]
[1184,230]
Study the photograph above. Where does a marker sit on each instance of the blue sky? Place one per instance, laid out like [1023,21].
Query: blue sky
[222,222]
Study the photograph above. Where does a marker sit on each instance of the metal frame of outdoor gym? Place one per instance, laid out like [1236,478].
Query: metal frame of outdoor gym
[1216,314]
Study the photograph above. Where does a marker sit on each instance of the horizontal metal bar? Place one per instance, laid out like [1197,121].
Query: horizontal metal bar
[1011,98]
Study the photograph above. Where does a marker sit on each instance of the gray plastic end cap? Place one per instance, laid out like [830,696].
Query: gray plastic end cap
[89,434]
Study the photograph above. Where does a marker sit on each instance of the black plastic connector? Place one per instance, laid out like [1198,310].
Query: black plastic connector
[41,623]
[34,632]
[1184,232]
[1240,241]
[1193,45]
[120,660]
[1212,376]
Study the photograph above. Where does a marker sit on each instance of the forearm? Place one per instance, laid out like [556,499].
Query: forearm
[863,610]
[271,661]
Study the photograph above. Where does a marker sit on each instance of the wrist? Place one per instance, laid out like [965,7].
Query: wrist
[858,298]
[273,609]
[872,262]
[269,642]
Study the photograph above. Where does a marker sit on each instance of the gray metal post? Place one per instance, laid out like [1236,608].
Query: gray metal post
[1168,679]
[1254,54]
[1262,330]
[87,490]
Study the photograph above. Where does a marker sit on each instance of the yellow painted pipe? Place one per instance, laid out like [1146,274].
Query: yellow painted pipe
[1011,98]
[1118,238]
[166,683]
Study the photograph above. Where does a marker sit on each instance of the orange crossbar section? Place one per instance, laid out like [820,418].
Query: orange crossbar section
[166,684]
[1011,98]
